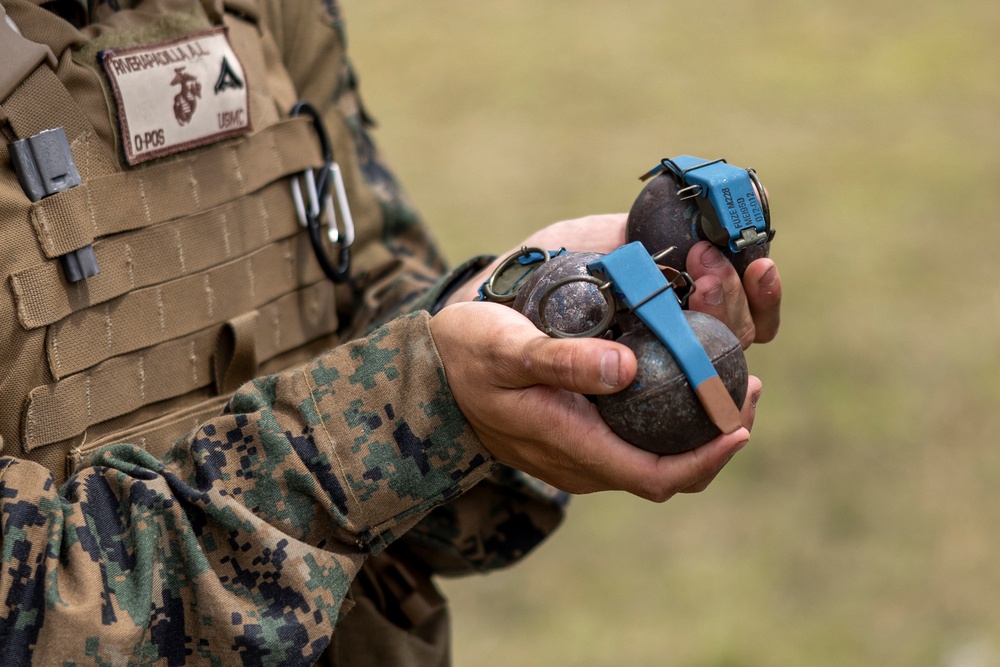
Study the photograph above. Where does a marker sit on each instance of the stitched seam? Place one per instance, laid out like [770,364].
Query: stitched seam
[54,345]
[180,251]
[130,264]
[107,327]
[236,168]
[340,463]
[194,186]
[142,379]
[160,310]
[194,364]
[207,282]
[145,203]
[43,223]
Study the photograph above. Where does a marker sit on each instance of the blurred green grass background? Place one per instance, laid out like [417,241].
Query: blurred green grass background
[861,527]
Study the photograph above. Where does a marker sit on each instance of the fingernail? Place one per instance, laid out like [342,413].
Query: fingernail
[713,297]
[609,369]
[712,258]
[769,277]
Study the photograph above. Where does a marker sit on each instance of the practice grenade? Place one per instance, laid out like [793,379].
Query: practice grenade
[659,411]
[571,308]
[675,210]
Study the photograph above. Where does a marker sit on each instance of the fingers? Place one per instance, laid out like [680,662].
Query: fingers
[750,307]
[719,291]
[763,291]
[519,355]
[749,412]
[581,365]
[693,471]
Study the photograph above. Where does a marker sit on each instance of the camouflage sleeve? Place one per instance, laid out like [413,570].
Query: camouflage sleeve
[242,543]
[504,518]
[511,513]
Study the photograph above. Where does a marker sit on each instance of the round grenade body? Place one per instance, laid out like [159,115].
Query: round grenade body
[659,411]
[659,219]
[573,308]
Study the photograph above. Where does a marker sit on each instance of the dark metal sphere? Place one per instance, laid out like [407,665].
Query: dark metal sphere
[659,411]
[573,308]
[660,219]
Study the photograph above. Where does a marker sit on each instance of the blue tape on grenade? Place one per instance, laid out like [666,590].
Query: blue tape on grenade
[734,208]
[640,284]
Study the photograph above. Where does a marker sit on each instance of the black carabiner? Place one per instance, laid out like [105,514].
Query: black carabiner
[321,201]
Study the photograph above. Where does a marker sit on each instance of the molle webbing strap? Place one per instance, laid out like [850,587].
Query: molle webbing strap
[42,102]
[158,254]
[116,387]
[235,361]
[171,189]
[160,313]
[66,408]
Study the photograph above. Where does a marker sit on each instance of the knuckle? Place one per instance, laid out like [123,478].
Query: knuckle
[564,363]
[764,336]
[662,495]
[657,492]
[746,332]
[733,288]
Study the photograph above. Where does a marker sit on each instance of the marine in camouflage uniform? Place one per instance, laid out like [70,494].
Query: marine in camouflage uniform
[251,540]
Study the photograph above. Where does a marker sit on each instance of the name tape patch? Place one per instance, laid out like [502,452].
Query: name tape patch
[178,94]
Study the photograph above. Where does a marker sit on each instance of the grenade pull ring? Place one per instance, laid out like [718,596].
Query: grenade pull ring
[526,257]
[598,329]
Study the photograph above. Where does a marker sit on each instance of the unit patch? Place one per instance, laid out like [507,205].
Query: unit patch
[176,95]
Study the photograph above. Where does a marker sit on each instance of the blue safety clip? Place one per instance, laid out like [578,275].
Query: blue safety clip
[638,282]
[734,209]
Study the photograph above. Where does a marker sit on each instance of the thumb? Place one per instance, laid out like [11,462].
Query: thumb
[581,365]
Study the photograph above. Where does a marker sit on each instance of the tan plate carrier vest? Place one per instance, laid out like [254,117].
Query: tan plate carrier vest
[206,277]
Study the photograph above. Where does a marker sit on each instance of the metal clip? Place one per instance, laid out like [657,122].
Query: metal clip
[344,209]
[321,203]
[313,211]
[44,166]
[525,257]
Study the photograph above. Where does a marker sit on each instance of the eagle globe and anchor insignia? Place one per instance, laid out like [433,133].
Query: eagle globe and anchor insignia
[166,98]
[186,100]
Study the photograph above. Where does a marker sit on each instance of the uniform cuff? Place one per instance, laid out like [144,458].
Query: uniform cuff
[434,299]
[385,412]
